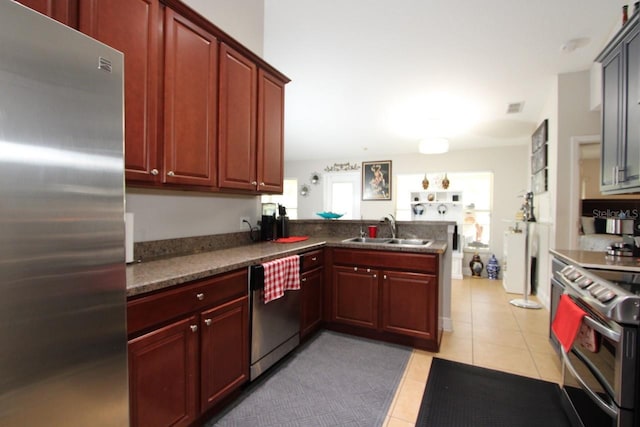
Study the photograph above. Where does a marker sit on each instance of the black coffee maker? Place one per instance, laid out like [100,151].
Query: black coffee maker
[283,222]
[268,223]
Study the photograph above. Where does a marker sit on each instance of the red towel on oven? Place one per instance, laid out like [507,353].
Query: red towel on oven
[281,275]
[566,324]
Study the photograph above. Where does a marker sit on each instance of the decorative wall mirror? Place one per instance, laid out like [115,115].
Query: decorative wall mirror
[304,190]
[315,178]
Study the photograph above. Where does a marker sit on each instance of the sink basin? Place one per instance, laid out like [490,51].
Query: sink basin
[376,240]
[411,242]
[384,241]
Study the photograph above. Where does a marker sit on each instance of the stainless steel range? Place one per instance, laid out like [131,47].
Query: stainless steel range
[600,380]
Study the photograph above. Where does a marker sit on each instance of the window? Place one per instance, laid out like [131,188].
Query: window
[477,190]
[342,194]
[288,198]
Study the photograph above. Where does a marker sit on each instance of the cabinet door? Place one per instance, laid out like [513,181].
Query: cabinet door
[270,133]
[632,110]
[224,350]
[611,118]
[311,301]
[163,375]
[237,131]
[65,11]
[355,296]
[190,103]
[134,28]
[409,304]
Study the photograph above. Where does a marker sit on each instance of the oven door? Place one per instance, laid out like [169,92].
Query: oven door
[599,382]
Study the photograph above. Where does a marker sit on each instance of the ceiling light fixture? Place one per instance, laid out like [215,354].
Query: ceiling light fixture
[433,146]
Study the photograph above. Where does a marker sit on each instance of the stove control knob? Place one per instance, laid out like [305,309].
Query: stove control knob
[574,276]
[607,296]
[594,289]
[585,282]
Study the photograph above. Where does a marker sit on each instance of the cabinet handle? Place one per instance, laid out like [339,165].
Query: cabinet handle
[207,322]
[200,297]
[194,328]
[171,173]
[154,172]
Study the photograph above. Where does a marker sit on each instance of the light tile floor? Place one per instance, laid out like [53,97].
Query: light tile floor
[487,332]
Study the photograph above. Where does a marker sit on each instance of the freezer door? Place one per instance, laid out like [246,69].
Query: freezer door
[62,284]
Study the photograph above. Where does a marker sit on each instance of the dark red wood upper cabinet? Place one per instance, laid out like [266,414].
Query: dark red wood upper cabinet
[65,11]
[270,133]
[237,127]
[190,103]
[133,27]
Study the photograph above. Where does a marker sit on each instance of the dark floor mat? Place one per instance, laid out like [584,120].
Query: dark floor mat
[462,395]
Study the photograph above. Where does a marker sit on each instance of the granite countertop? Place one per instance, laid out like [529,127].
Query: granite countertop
[599,260]
[154,275]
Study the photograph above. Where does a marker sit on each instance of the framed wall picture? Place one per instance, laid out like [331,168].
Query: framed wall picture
[540,136]
[376,180]
[539,159]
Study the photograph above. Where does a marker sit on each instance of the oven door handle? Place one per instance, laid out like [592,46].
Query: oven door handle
[597,326]
[612,410]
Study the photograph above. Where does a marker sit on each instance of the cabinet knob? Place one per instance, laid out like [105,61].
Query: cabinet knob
[355,268]
[368,270]
[262,184]
[200,297]
[207,322]
[154,172]
[171,173]
[304,279]
[254,182]
[375,275]
[314,259]
[384,277]
[194,328]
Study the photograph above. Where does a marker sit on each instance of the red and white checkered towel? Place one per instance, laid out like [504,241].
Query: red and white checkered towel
[281,275]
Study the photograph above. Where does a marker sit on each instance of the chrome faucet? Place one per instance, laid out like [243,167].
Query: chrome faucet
[392,224]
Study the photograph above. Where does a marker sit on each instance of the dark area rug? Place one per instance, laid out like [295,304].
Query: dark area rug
[332,380]
[462,395]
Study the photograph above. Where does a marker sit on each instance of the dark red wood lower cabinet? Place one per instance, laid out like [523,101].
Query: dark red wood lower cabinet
[409,304]
[311,301]
[163,375]
[224,350]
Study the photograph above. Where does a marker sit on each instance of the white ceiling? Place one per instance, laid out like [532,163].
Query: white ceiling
[362,70]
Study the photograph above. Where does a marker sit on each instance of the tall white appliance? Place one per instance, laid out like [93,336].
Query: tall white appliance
[63,360]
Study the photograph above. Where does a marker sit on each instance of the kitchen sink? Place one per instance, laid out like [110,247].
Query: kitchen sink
[411,242]
[376,240]
[385,241]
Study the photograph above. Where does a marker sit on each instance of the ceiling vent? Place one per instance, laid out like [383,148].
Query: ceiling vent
[515,107]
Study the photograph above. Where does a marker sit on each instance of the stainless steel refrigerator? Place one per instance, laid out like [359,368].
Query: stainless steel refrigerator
[63,348]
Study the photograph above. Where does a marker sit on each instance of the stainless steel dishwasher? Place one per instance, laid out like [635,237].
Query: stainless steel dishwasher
[275,326]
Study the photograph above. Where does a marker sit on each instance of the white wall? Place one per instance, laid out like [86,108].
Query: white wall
[569,114]
[507,163]
[242,20]
[164,214]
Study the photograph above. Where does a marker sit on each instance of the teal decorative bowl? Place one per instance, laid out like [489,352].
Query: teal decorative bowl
[329,215]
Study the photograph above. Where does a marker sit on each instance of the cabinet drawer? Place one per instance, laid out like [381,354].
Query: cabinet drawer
[427,263]
[311,260]
[165,305]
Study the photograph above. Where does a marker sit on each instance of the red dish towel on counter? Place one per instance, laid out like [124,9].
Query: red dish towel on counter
[281,275]
[291,239]
[567,322]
